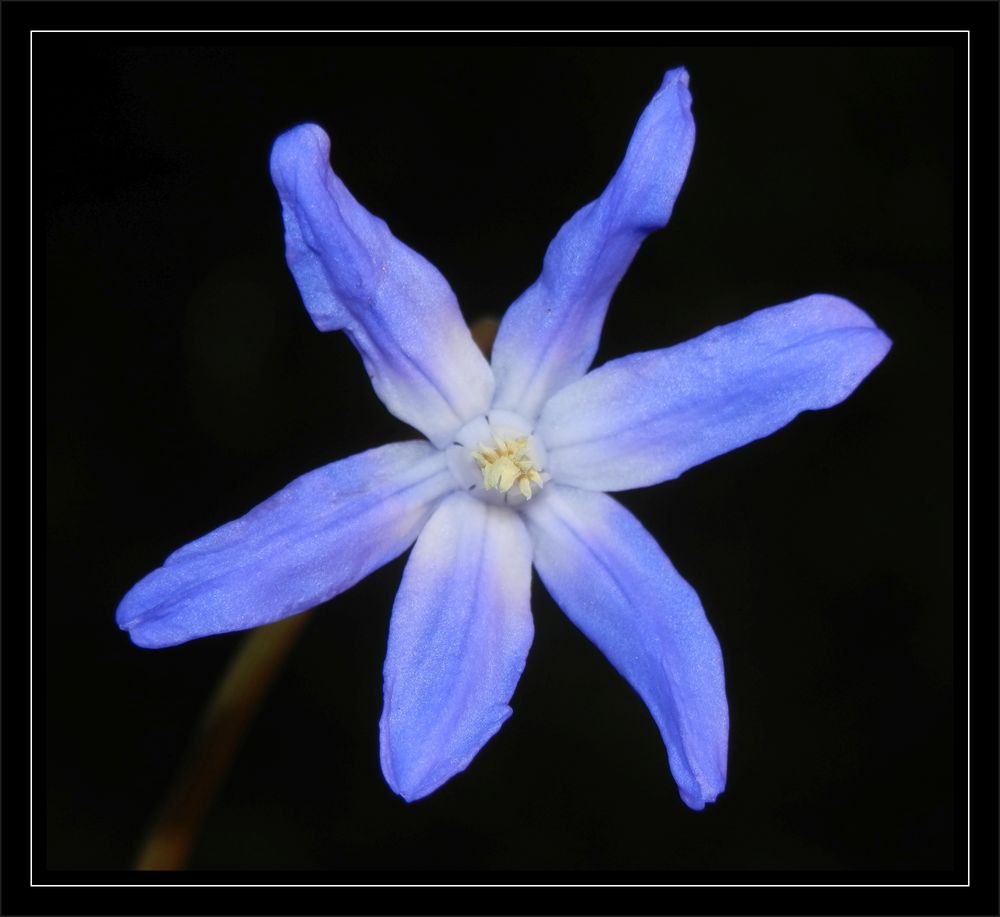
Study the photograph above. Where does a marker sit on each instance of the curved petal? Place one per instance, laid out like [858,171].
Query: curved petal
[460,632]
[393,304]
[611,578]
[310,541]
[650,416]
[549,335]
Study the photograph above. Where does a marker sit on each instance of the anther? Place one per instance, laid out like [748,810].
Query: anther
[505,464]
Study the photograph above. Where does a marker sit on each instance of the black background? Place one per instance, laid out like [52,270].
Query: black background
[185,383]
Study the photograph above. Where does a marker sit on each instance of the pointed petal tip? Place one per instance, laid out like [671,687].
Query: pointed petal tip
[703,792]
[412,774]
[145,615]
[307,132]
[839,305]
[698,802]
[677,75]
[677,82]
[847,315]
[129,615]
[147,638]
[302,141]
[411,794]
[146,629]
[144,642]
[881,345]
[845,311]
[409,783]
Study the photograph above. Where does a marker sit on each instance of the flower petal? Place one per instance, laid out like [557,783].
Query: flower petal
[394,305]
[310,541]
[550,334]
[650,416]
[611,578]
[460,632]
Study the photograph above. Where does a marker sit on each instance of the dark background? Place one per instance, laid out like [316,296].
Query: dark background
[185,383]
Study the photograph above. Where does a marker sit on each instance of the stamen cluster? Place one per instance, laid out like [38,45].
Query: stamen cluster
[507,464]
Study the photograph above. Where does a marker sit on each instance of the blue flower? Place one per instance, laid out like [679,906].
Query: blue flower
[518,457]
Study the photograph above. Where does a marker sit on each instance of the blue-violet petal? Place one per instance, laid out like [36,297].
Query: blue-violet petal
[394,305]
[458,639]
[613,581]
[310,541]
[650,416]
[550,334]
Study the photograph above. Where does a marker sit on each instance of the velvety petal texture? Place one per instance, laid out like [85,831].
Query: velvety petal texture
[460,632]
[549,336]
[611,578]
[396,308]
[650,416]
[310,541]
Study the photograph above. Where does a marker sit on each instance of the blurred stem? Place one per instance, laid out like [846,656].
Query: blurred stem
[229,712]
[484,332]
[256,663]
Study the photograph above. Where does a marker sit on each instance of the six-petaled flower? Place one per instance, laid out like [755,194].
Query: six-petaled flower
[518,457]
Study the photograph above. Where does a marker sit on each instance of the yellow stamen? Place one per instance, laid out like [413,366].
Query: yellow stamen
[507,464]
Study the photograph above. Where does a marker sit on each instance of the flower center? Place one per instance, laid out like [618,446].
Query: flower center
[498,459]
[507,464]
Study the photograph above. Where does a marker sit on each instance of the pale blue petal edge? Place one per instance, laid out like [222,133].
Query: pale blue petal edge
[649,416]
[458,639]
[549,335]
[310,541]
[613,581]
[394,305]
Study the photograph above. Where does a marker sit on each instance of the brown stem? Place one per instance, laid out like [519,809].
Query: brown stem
[484,332]
[257,661]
